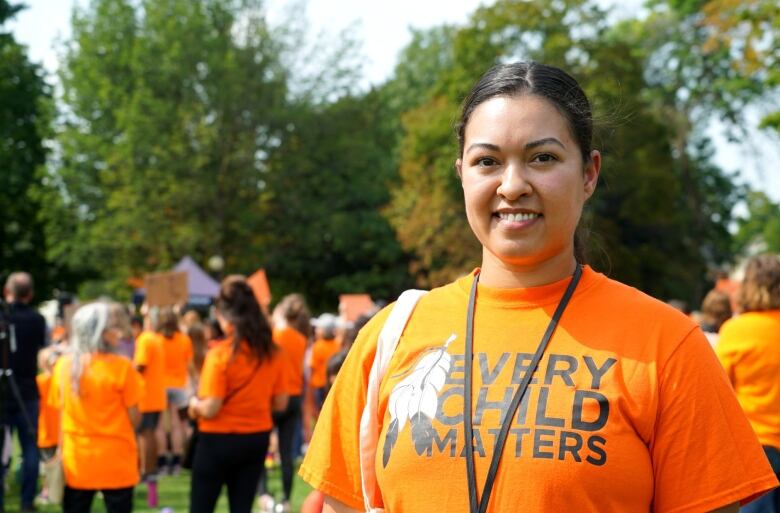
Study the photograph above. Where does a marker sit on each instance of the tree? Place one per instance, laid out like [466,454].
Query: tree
[761,225]
[170,113]
[24,123]
[325,186]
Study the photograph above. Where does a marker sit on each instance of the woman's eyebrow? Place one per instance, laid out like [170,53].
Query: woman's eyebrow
[484,146]
[542,142]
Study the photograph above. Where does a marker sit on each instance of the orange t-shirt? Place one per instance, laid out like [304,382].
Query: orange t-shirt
[149,354]
[178,355]
[629,410]
[48,416]
[98,449]
[246,387]
[321,351]
[293,344]
[749,349]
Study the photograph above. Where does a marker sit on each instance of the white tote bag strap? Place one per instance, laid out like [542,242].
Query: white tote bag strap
[369,423]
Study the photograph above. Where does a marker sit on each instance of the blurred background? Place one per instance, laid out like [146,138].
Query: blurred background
[315,139]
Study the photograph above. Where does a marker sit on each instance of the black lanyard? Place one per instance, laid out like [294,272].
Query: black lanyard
[480,505]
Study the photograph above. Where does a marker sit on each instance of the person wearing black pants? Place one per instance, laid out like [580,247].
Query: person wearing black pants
[117,500]
[243,381]
[286,423]
[234,460]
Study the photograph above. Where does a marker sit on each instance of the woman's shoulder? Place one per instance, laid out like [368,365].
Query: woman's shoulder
[626,301]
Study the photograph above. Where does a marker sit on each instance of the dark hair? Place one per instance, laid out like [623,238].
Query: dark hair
[548,82]
[136,319]
[167,322]
[533,78]
[716,309]
[237,304]
[760,289]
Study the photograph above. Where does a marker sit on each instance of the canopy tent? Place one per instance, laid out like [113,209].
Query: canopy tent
[202,288]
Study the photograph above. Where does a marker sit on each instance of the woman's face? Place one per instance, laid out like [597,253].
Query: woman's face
[524,181]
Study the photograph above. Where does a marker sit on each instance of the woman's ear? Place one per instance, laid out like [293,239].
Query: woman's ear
[459,168]
[591,173]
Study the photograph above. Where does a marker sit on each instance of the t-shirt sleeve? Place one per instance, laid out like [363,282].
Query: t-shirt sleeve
[705,454]
[54,397]
[332,463]
[213,377]
[133,387]
[141,355]
[726,351]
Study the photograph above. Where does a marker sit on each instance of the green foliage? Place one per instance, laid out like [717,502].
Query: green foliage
[761,226]
[168,116]
[25,114]
[325,186]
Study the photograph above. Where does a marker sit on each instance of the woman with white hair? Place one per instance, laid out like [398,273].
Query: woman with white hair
[98,392]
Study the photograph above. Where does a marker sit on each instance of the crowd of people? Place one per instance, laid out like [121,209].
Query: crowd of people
[533,383]
[121,399]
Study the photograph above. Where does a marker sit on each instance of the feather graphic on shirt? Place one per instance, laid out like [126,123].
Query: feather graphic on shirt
[416,398]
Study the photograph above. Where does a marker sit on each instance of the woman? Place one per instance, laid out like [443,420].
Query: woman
[179,368]
[291,312]
[625,406]
[749,349]
[243,380]
[98,392]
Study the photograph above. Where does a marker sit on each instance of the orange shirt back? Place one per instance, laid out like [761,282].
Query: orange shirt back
[48,416]
[321,352]
[99,446]
[178,355]
[749,350]
[628,411]
[293,344]
[149,354]
[246,387]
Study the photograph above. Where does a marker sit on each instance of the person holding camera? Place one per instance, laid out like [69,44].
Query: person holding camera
[19,360]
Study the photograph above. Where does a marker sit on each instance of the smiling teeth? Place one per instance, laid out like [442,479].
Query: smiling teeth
[517,217]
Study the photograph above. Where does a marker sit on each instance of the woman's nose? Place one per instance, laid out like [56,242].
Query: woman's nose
[514,183]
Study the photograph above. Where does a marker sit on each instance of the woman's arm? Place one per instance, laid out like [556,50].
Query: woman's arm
[135,416]
[279,402]
[206,408]
[333,506]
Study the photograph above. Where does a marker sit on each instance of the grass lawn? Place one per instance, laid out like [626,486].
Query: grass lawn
[174,493]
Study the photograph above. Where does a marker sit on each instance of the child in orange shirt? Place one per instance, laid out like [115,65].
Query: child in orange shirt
[48,417]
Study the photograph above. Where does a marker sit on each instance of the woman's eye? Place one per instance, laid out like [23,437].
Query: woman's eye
[545,157]
[485,162]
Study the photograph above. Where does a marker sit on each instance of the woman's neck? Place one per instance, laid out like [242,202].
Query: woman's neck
[499,274]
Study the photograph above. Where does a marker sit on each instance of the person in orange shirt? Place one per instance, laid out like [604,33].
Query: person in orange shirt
[178,368]
[98,393]
[534,383]
[48,417]
[289,317]
[749,349]
[325,346]
[149,361]
[244,379]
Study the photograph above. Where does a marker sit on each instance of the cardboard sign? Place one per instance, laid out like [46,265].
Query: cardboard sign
[166,289]
[259,284]
[352,306]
